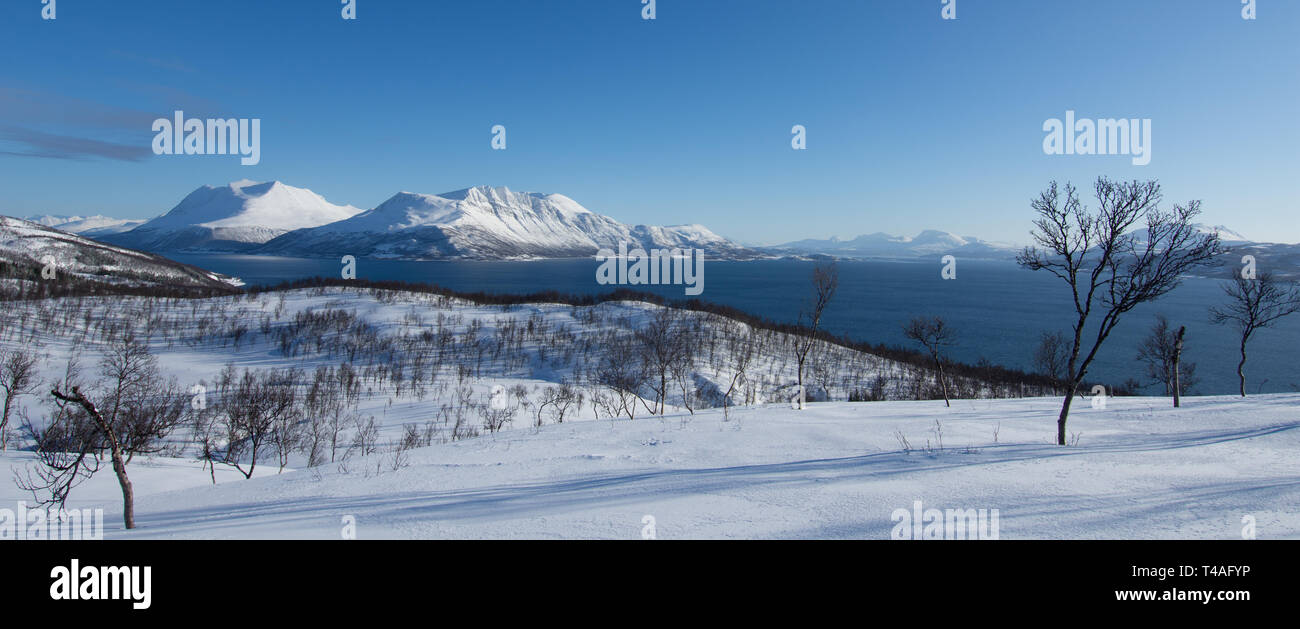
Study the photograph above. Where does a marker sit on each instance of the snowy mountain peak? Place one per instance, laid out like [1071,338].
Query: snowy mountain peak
[489,222]
[935,236]
[1225,234]
[233,217]
[503,196]
[482,222]
[403,210]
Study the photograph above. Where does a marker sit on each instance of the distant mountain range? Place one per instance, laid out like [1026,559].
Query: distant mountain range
[491,223]
[1282,259]
[475,223]
[89,226]
[930,242]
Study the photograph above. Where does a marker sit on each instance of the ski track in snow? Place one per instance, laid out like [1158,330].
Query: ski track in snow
[835,470]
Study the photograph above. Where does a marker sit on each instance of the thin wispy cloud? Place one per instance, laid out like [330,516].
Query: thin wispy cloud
[32,143]
[36,107]
[48,125]
[165,63]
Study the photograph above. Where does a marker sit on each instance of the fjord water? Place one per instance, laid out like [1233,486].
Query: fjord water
[998,309]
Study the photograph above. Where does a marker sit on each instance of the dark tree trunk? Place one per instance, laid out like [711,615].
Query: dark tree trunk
[800,376]
[128,493]
[1065,413]
[119,463]
[4,425]
[943,383]
[663,390]
[1241,368]
[1178,356]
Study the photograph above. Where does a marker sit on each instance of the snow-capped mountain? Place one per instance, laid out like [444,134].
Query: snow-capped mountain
[933,242]
[89,226]
[235,217]
[1226,236]
[1280,259]
[53,220]
[28,248]
[489,223]
[881,245]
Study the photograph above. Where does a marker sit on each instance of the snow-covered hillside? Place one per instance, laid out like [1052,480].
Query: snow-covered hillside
[489,223]
[27,250]
[426,369]
[234,217]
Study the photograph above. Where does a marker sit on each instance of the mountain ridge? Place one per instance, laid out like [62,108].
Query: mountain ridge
[232,218]
[491,223]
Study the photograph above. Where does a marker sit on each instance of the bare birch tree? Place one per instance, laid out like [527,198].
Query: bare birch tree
[1109,266]
[934,334]
[825,281]
[132,411]
[1253,305]
[17,378]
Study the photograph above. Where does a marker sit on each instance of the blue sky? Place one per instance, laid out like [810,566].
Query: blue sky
[913,122]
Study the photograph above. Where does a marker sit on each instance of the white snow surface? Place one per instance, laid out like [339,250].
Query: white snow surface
[1139,468]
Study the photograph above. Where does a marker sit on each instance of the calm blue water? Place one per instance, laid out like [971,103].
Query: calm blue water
[999,309]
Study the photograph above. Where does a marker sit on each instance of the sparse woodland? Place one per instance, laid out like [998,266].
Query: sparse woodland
[300,371]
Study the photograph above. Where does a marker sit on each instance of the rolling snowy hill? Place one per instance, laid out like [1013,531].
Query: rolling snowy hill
[489,223]
[235,217]
[27,248]
[1139,469]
